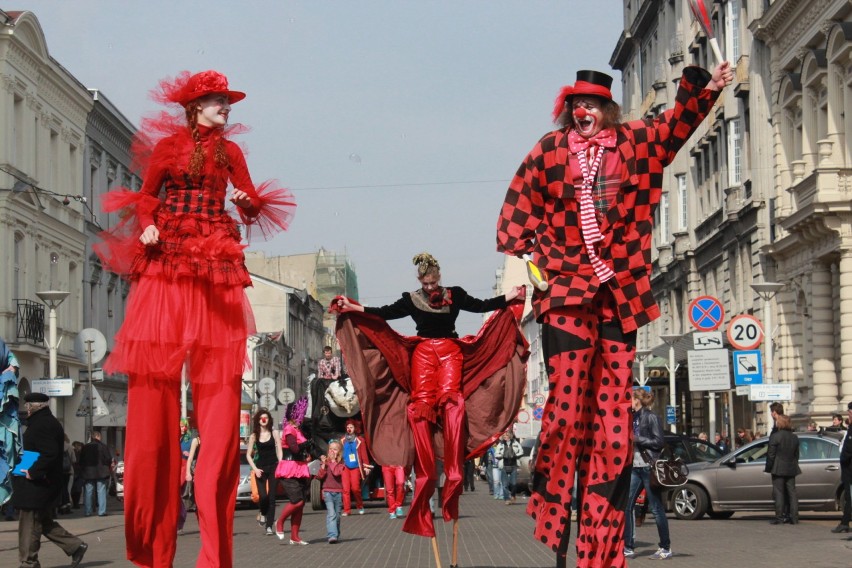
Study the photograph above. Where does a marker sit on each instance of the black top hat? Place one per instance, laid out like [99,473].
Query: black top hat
[595,77]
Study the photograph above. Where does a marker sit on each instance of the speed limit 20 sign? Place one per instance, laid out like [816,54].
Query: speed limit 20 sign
[745,332]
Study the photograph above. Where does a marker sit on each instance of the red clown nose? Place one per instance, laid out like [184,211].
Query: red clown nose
[580,113]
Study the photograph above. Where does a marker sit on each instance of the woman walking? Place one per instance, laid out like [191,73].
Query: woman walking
[293,470]
[264,453]
[647,445]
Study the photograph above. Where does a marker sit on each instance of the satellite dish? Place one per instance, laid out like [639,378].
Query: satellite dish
[98,345]
[266,385]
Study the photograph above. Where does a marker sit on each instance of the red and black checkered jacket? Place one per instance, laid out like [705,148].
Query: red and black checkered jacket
[540,215]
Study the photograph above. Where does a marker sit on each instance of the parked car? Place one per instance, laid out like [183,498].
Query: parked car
[692,450]
[524,474]
[737,482]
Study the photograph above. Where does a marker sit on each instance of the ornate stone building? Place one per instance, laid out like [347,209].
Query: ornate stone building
[760,195]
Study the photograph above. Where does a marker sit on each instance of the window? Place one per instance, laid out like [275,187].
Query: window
[734,152]
[683,221]
[54,271]
[664,218]
[18,284]
[732,29]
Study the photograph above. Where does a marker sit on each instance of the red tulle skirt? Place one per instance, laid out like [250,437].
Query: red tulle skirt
[172,321]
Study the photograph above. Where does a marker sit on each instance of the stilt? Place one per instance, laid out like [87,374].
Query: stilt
[455,560]
[435,552]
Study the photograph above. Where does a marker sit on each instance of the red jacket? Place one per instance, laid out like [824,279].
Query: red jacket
[540,215]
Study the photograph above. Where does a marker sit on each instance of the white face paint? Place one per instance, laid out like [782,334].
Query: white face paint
[213,110]
[588,115]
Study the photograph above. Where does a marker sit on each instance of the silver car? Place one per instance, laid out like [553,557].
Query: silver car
[737,482]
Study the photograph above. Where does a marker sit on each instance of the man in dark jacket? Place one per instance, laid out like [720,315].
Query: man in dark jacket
[846,475]
[96,465]
[782,461]
[36,492]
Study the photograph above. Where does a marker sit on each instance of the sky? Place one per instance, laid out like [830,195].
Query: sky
[397,124]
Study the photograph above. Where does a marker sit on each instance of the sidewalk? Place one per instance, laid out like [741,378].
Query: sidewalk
[492,535]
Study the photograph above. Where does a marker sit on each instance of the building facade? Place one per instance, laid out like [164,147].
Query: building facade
[43,122]
[755,209]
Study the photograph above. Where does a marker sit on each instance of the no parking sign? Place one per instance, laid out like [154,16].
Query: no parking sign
[706,313]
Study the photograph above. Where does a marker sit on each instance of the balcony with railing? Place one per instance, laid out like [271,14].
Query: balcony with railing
[29,320]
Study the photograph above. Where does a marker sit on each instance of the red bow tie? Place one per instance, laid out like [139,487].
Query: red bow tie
[577,143]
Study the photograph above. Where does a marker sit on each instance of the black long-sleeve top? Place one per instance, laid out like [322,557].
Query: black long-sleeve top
[436,323]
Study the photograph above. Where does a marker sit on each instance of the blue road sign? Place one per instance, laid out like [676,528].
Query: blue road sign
[538,412]
[706,313]
[671,415]
[748,367]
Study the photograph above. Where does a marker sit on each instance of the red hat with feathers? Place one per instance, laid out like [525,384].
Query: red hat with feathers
[186,88]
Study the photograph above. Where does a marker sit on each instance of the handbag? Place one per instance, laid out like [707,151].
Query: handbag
[666,472]
[255,495]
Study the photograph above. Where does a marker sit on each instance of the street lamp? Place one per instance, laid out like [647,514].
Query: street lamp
[670,339]
[767,291]
[52,298]
[641,354]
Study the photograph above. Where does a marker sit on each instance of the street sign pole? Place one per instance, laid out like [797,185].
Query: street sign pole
[91,416]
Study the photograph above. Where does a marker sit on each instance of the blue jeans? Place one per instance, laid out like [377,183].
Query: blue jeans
[510,479]
[102,495]
[641,477]
[333,506]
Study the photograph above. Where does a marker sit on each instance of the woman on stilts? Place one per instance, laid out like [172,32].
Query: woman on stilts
[434,371]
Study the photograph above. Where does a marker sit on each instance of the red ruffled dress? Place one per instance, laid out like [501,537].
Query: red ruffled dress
[187,292]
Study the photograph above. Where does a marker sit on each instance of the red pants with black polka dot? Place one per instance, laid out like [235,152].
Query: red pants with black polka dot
[585,430]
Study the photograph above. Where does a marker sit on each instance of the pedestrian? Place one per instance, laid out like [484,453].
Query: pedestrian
[702,436]
[264,453]
[437,386]
[96,463]
[355,467]
[583,204]
[776,409]
[293,470]
[469,475]
[836,424]
[185,486]
[782,461]
[720,442]
[77,484]
[68,459]
[187,308]
[394,477]
[331,475]
[36,492]
[647,445]
[846,475]
[509,451]
[191,465]
[497,471]
[486,464]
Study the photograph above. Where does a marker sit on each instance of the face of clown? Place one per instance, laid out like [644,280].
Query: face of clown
[350,428]
[182,428]
[264,420]
[213,110]
[588,115]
